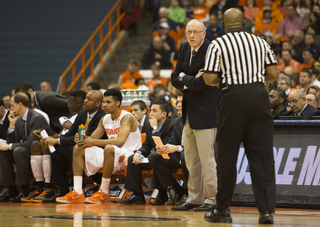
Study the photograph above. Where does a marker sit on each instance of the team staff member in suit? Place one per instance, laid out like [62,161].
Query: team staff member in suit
[159,125]
[4,120]
[62,157]
[52,103]
[23,121]
[199,109]
[243,63]
[139,111]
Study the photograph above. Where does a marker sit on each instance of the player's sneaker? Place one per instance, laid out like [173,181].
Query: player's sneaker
[46,193]
[31,195]
[72,197]
[98,197]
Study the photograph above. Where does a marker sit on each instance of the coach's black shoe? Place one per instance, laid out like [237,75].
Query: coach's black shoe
[219,216]
[134,199]
[4,198]
[266,218]
[185,206]
[204,207]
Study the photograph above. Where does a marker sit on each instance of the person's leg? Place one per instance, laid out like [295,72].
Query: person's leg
[185,172]
[194,166]
[258,145]
[7,174]
[77,195]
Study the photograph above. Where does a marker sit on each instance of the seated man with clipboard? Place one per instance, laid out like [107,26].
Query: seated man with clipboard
[160,126]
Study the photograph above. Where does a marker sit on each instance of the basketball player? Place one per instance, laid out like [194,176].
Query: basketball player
[124,137]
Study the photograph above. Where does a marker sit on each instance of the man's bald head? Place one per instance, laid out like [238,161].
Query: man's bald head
[233,20]
[97,95]
[93,101]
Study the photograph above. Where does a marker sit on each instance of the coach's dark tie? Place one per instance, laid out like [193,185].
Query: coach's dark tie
[23,130]
[193,52]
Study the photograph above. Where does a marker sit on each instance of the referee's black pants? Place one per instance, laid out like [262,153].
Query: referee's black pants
[244,115]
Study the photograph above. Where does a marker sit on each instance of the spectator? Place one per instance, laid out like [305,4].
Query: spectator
[131,74]
[164,13]
[156,79]
[299,107]
[251,11]
[299,45]
[312,100]
[288,61]
[7,101]
[213,31]
[309,40]
[307,59]
[316,65]
[176,12]
[123,138]
[314,78]
[304,80]
[267,24]
[4,120]
[278,102]
[201,11]
[114,85]
[23,121]
[52,103]
[159,125]
[139,111]
[283,83]
[156,53]
[156,8]
[276,14]
[314,19]
[313,90]
[92,86]
[45,85]
[305,8]
[163,33]
[289,25]
[313,29]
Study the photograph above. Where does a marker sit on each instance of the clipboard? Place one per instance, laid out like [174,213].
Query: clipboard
[159,143]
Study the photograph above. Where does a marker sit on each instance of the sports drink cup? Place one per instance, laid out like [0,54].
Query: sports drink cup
[81,132]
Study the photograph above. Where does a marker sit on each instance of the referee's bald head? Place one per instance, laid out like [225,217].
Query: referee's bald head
[233,20]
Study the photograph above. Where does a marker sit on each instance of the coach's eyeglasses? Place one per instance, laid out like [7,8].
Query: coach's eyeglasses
[194,32]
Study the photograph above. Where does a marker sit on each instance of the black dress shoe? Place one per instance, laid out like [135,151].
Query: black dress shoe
[134,199]
[18,198]
[219,216]
[186,206]
[176,199]
[266,218]
[161,199]
[204,207]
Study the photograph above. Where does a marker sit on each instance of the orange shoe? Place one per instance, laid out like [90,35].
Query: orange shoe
[72,197]
[98,197]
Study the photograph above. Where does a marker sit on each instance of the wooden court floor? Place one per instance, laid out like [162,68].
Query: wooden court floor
[117,215]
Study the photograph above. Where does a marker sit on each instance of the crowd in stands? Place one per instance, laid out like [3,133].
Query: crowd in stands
[292,29]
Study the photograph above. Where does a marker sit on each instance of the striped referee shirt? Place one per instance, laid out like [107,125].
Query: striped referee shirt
[240,57]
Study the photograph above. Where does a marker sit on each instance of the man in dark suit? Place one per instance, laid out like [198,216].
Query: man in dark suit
[159,125]
[199,116]
[299,106]
[62,157]
[4,121]
[52,103]
[174,147]
[139,111]
[23,121]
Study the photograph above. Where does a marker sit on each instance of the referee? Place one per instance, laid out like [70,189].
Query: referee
[241,63]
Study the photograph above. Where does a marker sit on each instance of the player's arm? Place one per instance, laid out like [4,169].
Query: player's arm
[211,79]
[94,139]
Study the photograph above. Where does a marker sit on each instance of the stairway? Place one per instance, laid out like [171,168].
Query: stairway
[133,48]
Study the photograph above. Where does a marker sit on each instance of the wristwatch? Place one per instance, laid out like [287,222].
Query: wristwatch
[181,75]
[155,128]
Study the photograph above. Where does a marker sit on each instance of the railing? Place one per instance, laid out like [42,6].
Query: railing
[80,59]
